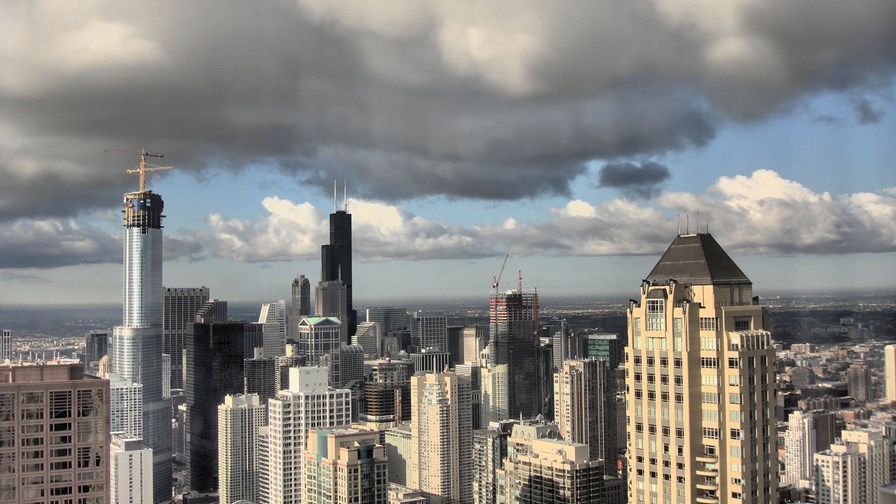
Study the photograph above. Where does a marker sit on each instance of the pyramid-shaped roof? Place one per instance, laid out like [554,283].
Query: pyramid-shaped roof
[697,259]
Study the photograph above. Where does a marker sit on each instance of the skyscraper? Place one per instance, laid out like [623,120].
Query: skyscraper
[548,471]
[389,317]
[858,382]
[273,316]
[317,337]
[441,437]
[137,342]
[513,340]
[336,260]
[214,355]
[330,300]
[259,376]
[239,418]
[853,469]
[429,332]
[495,386]
[301,296]
[96,346]
[369,336]
[5,345]
[54,440]
[489,451]
[308,403]
[700,371]
[130,480]
[584,401]
[179,308]
[890,372]
[125,406]
[808,432]
[344,465]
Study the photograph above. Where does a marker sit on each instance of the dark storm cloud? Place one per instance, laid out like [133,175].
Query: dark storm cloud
[865,111]
[50,243]
[644,181]
[403,98]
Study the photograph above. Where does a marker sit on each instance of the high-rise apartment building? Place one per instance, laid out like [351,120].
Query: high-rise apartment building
[130,474]
[179,308]
[370,336]
[125,406]
[345,365]
[399,450]
[584,402]
[808,432]
[344,465]
[890,372]
[858,382]
[6,345]
[564,342]
[513,340]
[317,337]
[853,470]
[273,316]
[259,376]
[53,433]
[489,451]
[495,395]
[336,263]
[214,355]
[429,332]
[239,418]
[474,340]
[282,365]
[137,342]
[441,437]
[548,471]
[430,360]
[309,402]
[700,376]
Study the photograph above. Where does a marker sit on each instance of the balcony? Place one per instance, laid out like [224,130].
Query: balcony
[707,499]
[707,458]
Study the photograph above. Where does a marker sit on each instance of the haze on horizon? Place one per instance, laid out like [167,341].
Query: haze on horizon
[570,136]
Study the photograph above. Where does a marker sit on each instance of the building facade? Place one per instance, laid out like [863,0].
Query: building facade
[130,474]
[513,340]
[138,341]
[344,466]
[317,337]
[700,376]
[179,308]
[239,418]
[53,432]
[441,437]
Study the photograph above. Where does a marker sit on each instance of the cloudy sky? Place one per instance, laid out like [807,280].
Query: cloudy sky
[570,135]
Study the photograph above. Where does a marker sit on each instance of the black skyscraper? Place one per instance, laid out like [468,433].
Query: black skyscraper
[214,356]
[336,261]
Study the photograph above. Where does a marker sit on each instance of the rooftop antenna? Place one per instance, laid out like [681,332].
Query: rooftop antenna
[144,166]
[687,228]
[707,222]
[345,194]
[334,195]
[520,281]
[698,221]
[678,217]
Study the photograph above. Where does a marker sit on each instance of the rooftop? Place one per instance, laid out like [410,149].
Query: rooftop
[697,259]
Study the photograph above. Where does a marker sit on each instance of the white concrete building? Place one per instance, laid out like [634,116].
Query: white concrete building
[130,470]
[495,388]
[239,419]
[308,403]
[808,432]
[273,316]
[125,405]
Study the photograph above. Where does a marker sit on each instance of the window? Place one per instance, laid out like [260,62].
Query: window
[677,362]
[709,397]
[709,343]
[707,324]
[679,398]
[664,362]
[650,361]
[733,363]
[679,381]
[735,434]
[710,433]
[734,398]
[656,315]
[709,362]
[679,432]
[742,324]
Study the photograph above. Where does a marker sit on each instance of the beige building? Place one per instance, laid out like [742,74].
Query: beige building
[441,437]
[54,435]
[854,469]
[495,385]
[700,381]
[541,470]
[583,408]
[344,466]
[890,372]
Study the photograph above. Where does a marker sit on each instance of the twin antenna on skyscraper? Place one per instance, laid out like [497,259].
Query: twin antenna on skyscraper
[144,167]
[688,223]
[344,195]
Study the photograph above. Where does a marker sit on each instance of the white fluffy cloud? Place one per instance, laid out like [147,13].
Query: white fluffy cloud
[762,213]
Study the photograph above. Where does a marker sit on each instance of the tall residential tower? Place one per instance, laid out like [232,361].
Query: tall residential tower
[700,379]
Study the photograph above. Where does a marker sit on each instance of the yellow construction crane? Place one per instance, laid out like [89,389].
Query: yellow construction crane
[144,167]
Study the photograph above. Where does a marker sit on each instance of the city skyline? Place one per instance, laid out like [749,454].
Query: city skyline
[462,134]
